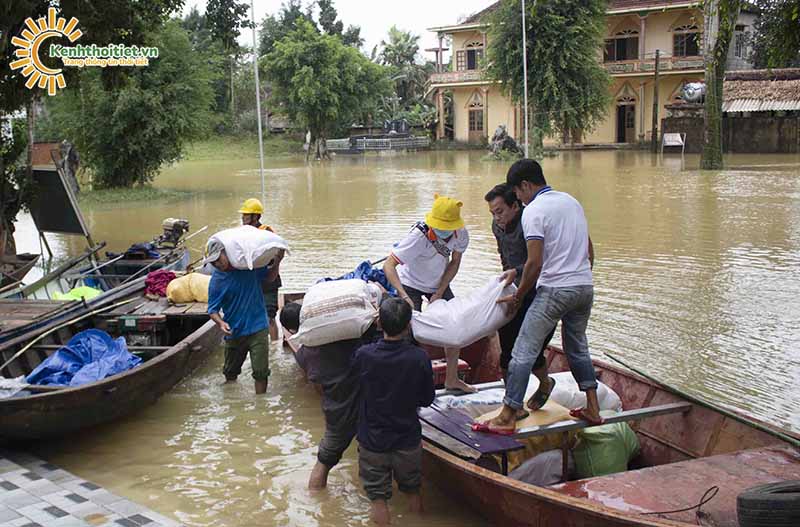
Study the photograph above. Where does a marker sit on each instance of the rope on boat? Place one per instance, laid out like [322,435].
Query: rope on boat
[708,495]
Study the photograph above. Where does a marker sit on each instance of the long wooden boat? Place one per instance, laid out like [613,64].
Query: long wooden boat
[683,455]
[172,340]
[687,449]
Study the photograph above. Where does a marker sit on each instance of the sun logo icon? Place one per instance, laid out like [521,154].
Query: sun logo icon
[28,49]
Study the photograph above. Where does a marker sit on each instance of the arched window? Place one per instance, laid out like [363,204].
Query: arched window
[475,108]
[686,41]
[470,57]
[623,45]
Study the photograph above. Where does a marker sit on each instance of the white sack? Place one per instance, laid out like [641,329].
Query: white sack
[250,248]
[565,393]
[459,322]
[337,310]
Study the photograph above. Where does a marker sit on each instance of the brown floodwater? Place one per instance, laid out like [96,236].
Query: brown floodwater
[696,283]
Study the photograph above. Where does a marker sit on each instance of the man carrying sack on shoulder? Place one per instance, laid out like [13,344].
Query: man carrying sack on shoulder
[425,262]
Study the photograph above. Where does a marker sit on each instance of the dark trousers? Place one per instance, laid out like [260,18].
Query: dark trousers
[416,296]
[508,335]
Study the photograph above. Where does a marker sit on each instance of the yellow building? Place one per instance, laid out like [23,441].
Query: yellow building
[635,30]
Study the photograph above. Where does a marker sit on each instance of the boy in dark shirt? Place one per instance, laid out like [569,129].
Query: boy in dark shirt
[396,378]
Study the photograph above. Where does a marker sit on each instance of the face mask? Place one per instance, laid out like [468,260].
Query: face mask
[442,235]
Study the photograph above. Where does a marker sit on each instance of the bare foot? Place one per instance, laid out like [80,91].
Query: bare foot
[415,503]
[319,477]
[505,420]
[460,386]
[379,512]
[261,387]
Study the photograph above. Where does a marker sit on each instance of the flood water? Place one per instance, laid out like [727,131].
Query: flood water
[696,283]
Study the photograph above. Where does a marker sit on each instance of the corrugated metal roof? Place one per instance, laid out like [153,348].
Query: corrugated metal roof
[759,105]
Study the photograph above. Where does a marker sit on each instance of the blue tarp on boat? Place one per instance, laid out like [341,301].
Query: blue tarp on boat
[366,272]
[89,356]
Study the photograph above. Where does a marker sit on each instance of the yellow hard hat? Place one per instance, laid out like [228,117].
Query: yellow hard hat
[445,214]
[252,206]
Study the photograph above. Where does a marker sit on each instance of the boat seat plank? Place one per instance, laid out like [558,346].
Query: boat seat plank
[176,309]
[442,440]
[622,417]
[151,307]
[198,308]
[678,485]
[458,426]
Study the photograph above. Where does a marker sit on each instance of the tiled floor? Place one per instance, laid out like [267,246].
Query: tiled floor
[34,493]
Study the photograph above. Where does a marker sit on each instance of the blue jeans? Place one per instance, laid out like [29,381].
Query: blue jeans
[571,305]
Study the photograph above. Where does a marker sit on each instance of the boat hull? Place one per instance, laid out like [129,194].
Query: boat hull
[66,411]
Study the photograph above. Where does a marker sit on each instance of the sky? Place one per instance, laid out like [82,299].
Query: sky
[376,16]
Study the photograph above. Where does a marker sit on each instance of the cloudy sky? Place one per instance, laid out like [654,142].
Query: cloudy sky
[376,16]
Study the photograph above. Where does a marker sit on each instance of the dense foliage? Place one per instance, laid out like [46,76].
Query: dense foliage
[776,40]
[567,86]
[323,84]
[126,134]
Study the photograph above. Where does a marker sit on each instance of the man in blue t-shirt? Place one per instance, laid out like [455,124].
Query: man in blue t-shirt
[396,378]
[237,295]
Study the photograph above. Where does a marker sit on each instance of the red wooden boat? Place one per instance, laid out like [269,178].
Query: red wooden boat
[687,448]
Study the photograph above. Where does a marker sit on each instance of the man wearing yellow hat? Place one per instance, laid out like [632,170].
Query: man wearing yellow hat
[251,212]
[425,262]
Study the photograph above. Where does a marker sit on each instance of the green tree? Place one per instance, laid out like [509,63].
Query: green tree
[323,84]
[275,27]
[568,88]
[400,53]
[102,22]
[776,38]
[329,23]
[225,19]
[146,121]
[719,20]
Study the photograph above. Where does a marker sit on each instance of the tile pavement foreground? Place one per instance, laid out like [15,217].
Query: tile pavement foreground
[34,493]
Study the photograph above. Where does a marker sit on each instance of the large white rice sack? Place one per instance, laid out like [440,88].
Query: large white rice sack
[250,248]
[337,310]
[459,322]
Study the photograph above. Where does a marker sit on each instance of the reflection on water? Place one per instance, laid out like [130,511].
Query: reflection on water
[696,283]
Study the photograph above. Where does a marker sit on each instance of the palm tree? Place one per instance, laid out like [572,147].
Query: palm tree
[400,54]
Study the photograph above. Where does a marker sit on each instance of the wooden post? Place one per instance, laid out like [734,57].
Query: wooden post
[654,132]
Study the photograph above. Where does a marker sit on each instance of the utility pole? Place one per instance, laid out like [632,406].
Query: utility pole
[258,106]
[654,133]
[525,75]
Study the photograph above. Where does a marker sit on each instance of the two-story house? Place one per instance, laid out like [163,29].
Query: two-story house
[635,30]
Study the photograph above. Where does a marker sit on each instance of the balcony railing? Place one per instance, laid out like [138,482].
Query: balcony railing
[451,77]
[649,66]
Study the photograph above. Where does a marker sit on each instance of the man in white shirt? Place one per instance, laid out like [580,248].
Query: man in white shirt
[559,265]
[425,262]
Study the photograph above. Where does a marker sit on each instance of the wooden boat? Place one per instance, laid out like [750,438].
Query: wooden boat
[13,268]
[687,448]
[685,451]
[172,340]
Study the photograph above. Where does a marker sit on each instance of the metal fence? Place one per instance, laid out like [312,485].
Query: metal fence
[389,143]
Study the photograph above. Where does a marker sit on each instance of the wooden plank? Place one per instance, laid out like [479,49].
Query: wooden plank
[458,425]
[622,417]
[198,308]
[442,440]
[149,308]
[176,309]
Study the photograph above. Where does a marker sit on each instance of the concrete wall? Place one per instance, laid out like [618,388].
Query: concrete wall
[741,63]
[500,111]
[754,134]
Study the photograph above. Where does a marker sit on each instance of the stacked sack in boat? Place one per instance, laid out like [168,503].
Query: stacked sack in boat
[459,322]
[335,311]
[192,287]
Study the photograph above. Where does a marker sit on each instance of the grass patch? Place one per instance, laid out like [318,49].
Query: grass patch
[135,194]
[243,147]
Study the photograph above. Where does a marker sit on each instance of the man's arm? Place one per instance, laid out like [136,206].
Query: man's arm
[450,272]
[275,268]
[530,273]
[224,326]
[591,253]
[390,270]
